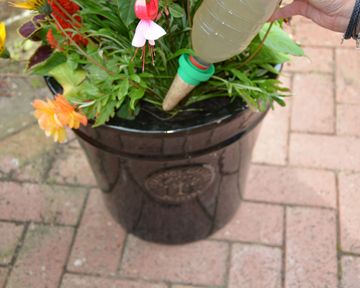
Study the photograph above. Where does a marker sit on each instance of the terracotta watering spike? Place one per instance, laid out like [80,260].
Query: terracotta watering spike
[190,74]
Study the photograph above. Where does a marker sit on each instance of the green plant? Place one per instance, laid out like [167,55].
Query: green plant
[93,59]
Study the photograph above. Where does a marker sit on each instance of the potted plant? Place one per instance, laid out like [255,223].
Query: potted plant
[169,177]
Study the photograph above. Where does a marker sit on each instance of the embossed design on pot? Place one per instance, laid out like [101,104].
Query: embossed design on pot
[180,184]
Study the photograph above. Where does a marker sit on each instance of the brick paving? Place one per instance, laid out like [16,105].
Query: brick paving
[298,224]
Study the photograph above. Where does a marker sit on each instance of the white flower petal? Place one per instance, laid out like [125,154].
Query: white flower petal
[153,31]
[139,39]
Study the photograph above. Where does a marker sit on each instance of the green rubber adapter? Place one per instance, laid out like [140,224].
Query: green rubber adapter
[191,74]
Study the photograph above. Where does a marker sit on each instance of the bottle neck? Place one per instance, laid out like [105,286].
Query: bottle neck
[197,62]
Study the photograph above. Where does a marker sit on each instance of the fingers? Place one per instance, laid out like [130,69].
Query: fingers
[296,8]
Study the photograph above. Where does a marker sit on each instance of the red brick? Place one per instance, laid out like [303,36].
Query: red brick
[313,104]
[309,33]
[99,240]
[42,257]
[50,204]
[291,186]
[349,212]
[329,152]
[315,60]
[78,281]
[72,167]
[257,223]
[255,267]
[311,259]
[348,119]
[10,236]
[271,146]
[3,275]
[347,71]
[350,272]
[200,263]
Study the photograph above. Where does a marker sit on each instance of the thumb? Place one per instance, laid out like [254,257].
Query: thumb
[296,8]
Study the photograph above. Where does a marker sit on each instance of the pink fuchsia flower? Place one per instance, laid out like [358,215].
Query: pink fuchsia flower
[147,29]
[146,10]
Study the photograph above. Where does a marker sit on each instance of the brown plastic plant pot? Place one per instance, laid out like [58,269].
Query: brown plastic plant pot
[173,181]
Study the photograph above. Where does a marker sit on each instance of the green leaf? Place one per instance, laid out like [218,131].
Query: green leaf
[176,10]
[96,73]
[73,61]
[136,78]
[269,56]
[135,95]
[126,112]
[127,10]
[106,113]
[53,61]
[70,80]
[180,52]
[280,41]
[123,90]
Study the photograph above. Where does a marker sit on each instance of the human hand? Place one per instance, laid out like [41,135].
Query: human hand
[331,14]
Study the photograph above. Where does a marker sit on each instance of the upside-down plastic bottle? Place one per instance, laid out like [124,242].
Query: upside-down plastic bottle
[221,30]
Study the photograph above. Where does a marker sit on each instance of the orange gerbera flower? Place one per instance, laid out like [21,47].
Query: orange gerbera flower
[54,115]
[67,115]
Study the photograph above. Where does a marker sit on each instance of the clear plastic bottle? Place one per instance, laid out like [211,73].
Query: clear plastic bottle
[224,28]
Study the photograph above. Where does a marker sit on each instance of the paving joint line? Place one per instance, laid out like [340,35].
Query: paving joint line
[352,254]
[19,222]
[249,243]
[326,134]
[66,185]
[228,265]
[14,133]
[283,254]
[338,231]
[17,252]
[119,277]
[334,69]
[197,285]
[291,205]
[299,72]
[287,158]
[314,133]
[50,166]
[75,232]
[122,254]
[292,166]
[327,46]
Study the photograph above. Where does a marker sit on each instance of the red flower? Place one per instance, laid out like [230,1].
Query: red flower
[63,12]
[54,44]
[146,9]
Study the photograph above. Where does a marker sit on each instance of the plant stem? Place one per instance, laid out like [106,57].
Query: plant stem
[92,60]
[188,8]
